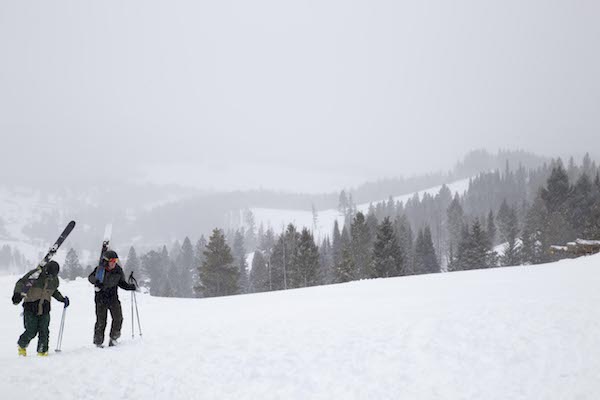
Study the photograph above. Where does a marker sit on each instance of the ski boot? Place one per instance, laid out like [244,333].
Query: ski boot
[22,351]
[42,353]
[112,342]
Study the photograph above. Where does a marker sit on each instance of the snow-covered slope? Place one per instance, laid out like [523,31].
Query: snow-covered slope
[279,219]
[507,333]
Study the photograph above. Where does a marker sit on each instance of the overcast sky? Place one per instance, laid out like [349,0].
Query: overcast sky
[303,95]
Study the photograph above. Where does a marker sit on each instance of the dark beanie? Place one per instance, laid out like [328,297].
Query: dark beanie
[52,268]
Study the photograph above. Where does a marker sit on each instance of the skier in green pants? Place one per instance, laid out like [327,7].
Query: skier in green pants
[36,305]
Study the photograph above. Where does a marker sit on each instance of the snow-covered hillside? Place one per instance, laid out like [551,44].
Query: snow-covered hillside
[279,219]
[506,333]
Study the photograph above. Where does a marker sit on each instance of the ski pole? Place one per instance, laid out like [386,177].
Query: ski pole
[132,322]
[134,300]
[137,314]
[61,330]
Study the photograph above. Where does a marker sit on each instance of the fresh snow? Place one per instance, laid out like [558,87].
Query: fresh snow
[279,219]
[506,333]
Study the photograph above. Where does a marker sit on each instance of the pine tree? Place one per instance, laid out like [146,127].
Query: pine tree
[239,256]
[360,246]
[259,274]
[186,265]
[326,262]
[267,242]
[580,205]
[219,276]
[405,241]
[455,218]
[336,244]
[474,250]
[387,255]
[199,259]
[71,268]
[509,230]
[425,258]
[535,243]
[491,228]
[133,265]
[306,261]
[556,193]
[282,260]
[154,265]
[345,270]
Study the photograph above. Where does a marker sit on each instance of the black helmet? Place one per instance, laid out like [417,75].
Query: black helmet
[52,268]
[109,254]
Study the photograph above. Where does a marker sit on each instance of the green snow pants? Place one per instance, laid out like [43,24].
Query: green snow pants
[34,325]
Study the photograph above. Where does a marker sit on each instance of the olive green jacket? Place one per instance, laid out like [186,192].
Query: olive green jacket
[38,297]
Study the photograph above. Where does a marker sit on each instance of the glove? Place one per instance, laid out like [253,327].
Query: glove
[99,285]
[16,299]
[66,302]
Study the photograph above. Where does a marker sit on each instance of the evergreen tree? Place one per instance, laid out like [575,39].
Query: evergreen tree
[199,259]
[387,255]
[167,285]
[425,258]
[474,250]
[239,256]
[509,231]
[133,265]
[326,262]
[556,193]
[580,205]
[535,243]
[282,259]
[219,276]
[153,263]
[267,242]
[306,261]
[592,225]
[405,241]
[345,270]
[186,265]
[250,240]
[372,223]
[71,268]
[455,218]
[558,229]
[360,246]
[491,228]
[259,274]
[175,251]
[336,244]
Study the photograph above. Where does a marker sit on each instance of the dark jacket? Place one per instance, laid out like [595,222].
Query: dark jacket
[108,288]
[39,295]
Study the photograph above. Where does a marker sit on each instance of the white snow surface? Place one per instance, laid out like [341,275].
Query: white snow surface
[279,219]
[506,333]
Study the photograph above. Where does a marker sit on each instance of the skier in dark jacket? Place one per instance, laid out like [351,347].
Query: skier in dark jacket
[107,298]
[36,306]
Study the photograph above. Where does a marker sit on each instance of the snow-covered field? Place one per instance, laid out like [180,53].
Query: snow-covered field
[279,219]
[507,333]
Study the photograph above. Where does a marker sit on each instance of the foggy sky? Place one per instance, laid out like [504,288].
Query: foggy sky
[307,95]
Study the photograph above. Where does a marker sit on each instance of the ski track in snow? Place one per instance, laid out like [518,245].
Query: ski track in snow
[506,333]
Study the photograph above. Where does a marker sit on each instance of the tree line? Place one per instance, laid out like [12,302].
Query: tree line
[502,219]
